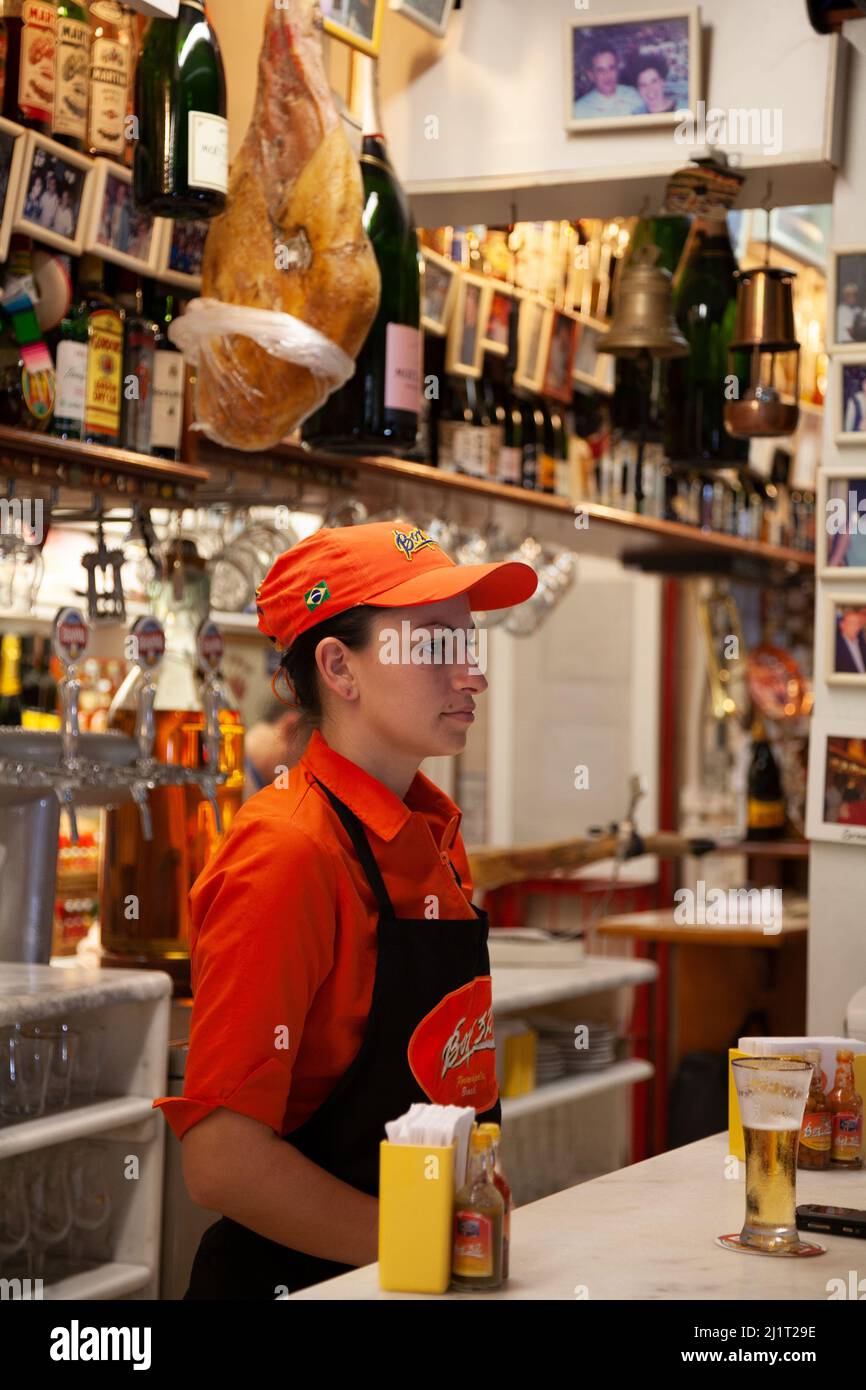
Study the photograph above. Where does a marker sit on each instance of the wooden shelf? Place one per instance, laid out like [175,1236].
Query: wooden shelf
[42,459]
[219,475]
[667,547]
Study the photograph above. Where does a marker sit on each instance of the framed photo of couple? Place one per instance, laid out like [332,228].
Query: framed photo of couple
[51,198]
[114,229]
[639,71]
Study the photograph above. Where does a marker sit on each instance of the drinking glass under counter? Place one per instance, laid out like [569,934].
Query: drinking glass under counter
[649,1232]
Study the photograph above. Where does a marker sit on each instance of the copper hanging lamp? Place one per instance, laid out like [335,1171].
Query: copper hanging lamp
[764,329]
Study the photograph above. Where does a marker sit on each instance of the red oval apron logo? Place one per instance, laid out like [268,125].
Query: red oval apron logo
[452,1052]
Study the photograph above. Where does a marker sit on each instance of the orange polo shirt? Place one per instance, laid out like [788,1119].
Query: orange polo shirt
[283,935]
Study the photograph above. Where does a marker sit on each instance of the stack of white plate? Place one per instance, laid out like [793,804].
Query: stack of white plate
[558,1037]
[549,1060]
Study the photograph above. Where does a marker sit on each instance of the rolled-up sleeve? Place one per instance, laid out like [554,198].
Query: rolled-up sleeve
[263,928]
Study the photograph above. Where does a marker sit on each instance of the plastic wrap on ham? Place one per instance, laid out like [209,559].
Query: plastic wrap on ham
[291,241]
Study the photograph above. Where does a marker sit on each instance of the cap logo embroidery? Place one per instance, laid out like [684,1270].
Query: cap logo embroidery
[315,597]
[408,542]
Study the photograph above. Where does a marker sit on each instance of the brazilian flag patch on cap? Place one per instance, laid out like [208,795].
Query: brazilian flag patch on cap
[316,596]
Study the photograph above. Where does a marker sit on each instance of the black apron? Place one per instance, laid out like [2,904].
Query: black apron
[427,973]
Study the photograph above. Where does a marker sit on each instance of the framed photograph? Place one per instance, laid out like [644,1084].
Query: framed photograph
[837,781]
[558,381]
[845,654]
[840,522]
[846,297]
[850,394]
[53,194]
[465,349]
[592,368]
[534,328]
[439,289]
[355,22]
[430,14]
[12,150]
[181,252]
[114,230]
[497,337]
[632,72]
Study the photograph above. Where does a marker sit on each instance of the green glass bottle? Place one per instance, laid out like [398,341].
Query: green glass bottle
[705,304]
[377,410]
[180,169]
[72,75]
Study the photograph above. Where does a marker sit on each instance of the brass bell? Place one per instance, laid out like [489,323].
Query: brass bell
[644,321]
[764,328]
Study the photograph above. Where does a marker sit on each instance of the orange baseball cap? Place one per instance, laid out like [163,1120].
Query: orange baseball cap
[389,564]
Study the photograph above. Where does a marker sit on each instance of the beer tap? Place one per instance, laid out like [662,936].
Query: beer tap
[69,642]
[210,648]
[146,647]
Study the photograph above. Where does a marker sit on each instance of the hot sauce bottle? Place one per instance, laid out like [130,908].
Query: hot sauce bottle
[479,1212]
[504,1187]
[816,1131]
[847,1106]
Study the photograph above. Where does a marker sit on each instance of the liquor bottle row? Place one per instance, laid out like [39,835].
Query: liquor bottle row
[72,70]
[66,70]
[28,690]
[107,375]
[487,429]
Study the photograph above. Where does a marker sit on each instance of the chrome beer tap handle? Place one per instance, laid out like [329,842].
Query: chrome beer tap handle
[145,726]
[141,796]
[148,649]
[65,793]
[208,791]
[210,647]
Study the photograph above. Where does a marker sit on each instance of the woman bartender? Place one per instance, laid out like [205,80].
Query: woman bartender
[339,969]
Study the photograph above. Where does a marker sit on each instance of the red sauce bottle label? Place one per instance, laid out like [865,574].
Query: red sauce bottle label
[473,1244]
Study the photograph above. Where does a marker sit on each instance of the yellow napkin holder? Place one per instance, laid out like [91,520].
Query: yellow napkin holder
[416,1217]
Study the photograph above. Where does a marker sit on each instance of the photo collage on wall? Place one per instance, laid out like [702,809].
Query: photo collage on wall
[837,779]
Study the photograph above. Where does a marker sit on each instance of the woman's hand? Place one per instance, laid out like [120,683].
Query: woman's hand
[241,1169]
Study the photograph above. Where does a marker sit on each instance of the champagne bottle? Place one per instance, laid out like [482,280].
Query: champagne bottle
[766,817]
[111,58]
[72,75]
[377,410]
[36,74]
[181,162]
[548,451]
[510,468]
[533,434]
[10,681]
[169,384]
[704,302]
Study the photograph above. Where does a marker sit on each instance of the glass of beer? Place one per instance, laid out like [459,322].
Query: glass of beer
[772,1093]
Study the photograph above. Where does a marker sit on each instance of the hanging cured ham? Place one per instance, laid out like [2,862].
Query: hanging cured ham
[291,241]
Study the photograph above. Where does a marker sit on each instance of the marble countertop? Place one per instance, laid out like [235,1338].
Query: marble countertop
[648,1232]
[29,992]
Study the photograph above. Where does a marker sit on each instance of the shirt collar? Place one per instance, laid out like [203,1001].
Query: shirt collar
[380,809]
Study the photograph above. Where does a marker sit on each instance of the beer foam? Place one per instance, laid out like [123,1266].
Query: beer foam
[774,1123]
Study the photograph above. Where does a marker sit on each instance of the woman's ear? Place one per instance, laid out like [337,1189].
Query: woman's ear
[334,664]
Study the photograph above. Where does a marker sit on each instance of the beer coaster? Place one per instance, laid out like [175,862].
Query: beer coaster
[801,1250]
